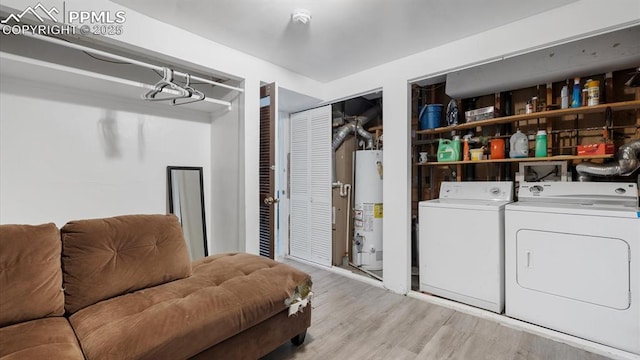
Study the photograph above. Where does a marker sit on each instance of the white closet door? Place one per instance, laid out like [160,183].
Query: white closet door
[311,185]
[300,187]
[320,161]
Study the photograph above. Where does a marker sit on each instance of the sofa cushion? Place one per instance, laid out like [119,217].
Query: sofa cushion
[227,294]
[30,274]
[48,338]
[103,258]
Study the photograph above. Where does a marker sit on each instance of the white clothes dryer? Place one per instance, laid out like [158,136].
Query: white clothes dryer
[573,260]
[461,245]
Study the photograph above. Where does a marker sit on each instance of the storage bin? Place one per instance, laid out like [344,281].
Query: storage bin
[430,116]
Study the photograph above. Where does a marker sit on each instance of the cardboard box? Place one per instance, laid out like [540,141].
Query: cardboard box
[596,149]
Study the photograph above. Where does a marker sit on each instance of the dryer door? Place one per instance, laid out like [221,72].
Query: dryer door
[591,269]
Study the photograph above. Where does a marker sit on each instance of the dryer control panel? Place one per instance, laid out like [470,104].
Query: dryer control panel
[614,193]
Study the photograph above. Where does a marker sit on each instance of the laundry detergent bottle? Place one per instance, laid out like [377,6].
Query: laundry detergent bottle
[541,143]
[519,145]
[448,150]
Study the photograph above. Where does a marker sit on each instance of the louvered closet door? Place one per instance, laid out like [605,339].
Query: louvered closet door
[299,201]
[310,177]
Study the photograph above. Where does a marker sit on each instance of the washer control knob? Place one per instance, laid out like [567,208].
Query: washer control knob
[536,189]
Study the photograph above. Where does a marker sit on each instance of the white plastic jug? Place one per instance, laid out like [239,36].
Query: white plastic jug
[519,145]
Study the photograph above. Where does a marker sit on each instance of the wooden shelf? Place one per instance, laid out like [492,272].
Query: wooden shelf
[618,106]
[515,160]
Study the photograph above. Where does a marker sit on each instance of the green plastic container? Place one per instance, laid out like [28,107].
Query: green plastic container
[449,150]
[541,143]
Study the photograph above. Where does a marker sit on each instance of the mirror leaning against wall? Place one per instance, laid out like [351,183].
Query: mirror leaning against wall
[186,201]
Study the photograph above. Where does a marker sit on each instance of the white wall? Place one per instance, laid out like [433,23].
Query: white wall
[67,155]
[227,141]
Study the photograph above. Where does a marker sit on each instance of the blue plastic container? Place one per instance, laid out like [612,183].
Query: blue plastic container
[430,116]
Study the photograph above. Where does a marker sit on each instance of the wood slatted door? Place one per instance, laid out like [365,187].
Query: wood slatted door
[268,201]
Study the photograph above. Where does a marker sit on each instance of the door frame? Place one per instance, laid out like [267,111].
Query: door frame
[282,156]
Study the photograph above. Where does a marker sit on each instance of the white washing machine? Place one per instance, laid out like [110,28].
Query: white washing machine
[573,260]
[461,247]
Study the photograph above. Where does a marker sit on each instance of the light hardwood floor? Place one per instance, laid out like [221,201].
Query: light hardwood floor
[354,320]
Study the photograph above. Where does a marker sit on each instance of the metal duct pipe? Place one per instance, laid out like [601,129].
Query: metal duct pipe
[349,128]
[342,134]
[367,136]
[362,120]
[339,138]
[626,164]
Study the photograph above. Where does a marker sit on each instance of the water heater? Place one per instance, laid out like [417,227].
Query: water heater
[367,216]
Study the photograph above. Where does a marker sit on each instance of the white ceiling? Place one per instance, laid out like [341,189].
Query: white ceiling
[344,36]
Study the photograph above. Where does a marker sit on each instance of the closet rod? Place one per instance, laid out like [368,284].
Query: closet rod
[123,59]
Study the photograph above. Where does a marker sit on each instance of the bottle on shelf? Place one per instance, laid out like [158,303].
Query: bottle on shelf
[564,96]
[577,93]
[456,146]
[529,107]
[448,150]
[465,148]
[518,145]
[541,143]
[593,92]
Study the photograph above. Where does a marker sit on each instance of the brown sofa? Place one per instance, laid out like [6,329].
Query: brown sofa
[124,288]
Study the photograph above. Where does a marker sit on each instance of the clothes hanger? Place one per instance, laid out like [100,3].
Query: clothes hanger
[196,95]
[166,81]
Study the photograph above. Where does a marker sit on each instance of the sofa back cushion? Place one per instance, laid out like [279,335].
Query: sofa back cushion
[30,274]
[103,258]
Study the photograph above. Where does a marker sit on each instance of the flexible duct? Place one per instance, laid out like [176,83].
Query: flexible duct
[356,126]
[352,127]
[627,162]
[342,134]
[367,136]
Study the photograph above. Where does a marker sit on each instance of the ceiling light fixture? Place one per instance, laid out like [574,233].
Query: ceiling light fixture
[301,16]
